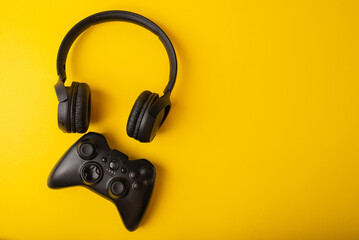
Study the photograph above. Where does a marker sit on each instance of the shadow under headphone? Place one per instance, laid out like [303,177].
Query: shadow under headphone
[149,110]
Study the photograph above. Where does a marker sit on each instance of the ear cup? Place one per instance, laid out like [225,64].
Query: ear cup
[143,122]
[63,116]
[80,108]
[135,112]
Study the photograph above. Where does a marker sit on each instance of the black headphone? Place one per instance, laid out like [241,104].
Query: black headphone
[149,110]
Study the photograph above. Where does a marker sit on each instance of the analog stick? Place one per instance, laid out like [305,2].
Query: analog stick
[118,188]
[86,150]
[91,173]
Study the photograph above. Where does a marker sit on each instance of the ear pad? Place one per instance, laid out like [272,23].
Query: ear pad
[80,107]
[135,112]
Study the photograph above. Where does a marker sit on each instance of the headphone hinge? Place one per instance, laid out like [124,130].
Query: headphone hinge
[61,92]
[160,104]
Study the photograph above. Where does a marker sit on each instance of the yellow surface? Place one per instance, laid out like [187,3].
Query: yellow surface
[261,143]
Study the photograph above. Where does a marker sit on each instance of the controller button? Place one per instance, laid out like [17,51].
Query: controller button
[147,182]
[114,165]
[104,159]
[87,150]
[133,174]
[145,171]
[123,170]
[91,173]
[118,188]
[136,185]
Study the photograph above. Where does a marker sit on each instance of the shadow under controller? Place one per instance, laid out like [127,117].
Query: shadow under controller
[91,163]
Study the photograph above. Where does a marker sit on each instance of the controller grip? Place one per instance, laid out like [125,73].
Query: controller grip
[65,173]
[133,207]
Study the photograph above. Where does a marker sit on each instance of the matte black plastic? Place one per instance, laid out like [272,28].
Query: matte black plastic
[149,126]
[163,103]
[116,15]
[131,201]
[147,115]
[149,111]
[64,112]
[63,116]
[60,90]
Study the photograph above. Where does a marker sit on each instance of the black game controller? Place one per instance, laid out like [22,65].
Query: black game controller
[91,163]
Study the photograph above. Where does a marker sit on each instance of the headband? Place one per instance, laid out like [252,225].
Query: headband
[108,16]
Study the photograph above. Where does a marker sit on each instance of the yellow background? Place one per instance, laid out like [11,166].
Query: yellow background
[261,143]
